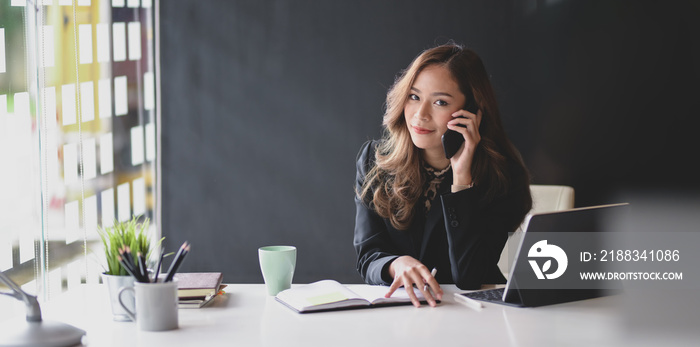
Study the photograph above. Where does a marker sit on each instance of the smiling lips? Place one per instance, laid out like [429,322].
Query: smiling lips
[421,131]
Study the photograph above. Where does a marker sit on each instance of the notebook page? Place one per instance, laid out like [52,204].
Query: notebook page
[374,294]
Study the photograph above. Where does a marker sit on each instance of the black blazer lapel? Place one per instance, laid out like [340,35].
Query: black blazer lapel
[435,215]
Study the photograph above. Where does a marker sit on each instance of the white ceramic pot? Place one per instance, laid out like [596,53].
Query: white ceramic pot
[114,283]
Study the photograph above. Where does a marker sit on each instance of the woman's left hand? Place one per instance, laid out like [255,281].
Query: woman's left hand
[462,160]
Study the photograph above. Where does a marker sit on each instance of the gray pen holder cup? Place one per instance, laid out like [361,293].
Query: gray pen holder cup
[156,305]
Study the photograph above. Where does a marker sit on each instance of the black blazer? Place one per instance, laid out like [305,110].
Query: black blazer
[460,235]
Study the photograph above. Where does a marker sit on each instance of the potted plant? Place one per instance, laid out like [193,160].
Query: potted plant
[116,239]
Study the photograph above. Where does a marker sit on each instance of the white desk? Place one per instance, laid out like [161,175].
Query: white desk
[246,316]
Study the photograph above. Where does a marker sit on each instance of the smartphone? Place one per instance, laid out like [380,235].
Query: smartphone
[452,140]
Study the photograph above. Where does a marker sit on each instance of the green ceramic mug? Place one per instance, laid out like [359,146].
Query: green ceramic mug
[277,265]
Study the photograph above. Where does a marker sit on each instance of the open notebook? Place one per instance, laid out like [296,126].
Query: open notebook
[330,295]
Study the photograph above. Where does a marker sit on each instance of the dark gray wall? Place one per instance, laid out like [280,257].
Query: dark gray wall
[266,103]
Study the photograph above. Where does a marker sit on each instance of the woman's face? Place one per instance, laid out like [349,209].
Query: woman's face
[434,97]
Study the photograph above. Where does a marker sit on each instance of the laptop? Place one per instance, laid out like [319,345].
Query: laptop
[548,277]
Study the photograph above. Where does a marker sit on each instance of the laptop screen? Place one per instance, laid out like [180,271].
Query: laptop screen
[548,261]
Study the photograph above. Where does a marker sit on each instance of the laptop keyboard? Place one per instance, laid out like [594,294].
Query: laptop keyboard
[487,295]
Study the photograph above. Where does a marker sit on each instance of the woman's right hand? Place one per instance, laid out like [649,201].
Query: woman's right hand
[462,161]
[408,271]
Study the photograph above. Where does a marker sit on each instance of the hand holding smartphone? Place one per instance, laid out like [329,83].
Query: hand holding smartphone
[452,140]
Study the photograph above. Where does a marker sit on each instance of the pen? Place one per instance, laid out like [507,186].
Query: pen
[469,302]
[432,273]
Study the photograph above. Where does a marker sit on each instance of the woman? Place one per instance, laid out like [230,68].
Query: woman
[418,210]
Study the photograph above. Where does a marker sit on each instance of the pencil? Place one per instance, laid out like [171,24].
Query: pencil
[160,262]
[177,256]
[176,264]
[177,261]
[142,266]
[129,269]
[128,257]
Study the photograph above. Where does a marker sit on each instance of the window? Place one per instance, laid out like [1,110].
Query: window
[78,134]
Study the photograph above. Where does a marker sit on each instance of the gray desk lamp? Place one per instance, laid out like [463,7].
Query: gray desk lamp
[35,331]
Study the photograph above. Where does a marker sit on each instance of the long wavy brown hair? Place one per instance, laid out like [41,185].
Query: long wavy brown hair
[395,183]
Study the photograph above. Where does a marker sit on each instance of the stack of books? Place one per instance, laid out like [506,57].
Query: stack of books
[197,289]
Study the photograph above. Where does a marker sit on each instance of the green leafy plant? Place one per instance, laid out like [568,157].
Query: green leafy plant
[130,234]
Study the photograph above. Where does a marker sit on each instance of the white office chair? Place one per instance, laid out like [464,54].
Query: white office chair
[545,198]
